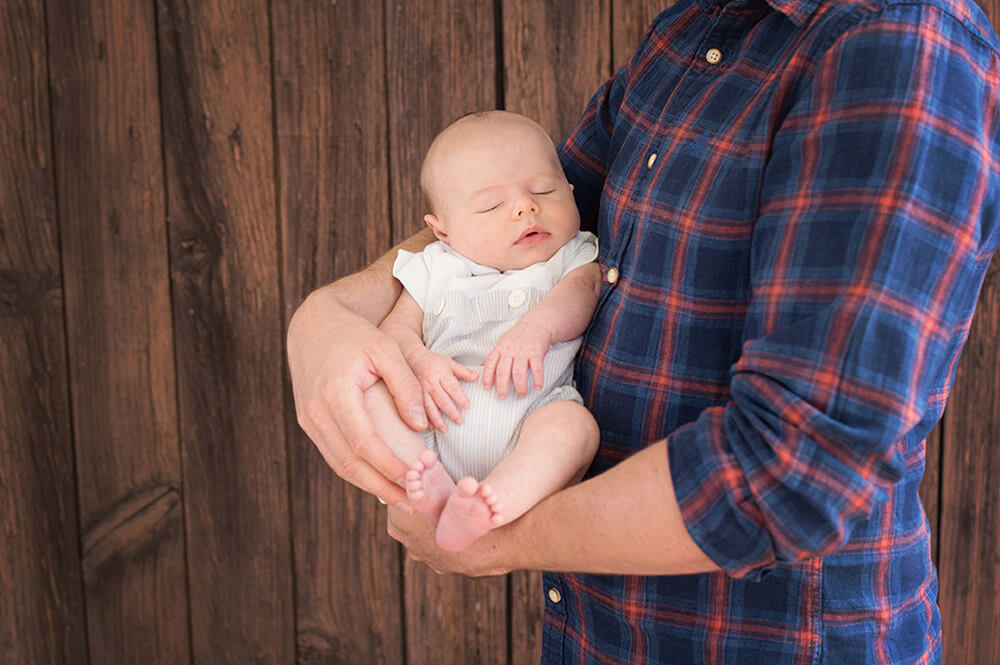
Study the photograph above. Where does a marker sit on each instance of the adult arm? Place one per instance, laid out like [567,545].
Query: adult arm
[336,352]
[877,223]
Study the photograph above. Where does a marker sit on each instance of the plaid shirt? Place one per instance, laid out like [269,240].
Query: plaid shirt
[796,203]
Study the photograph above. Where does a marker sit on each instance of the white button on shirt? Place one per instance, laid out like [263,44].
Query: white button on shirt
[517,298]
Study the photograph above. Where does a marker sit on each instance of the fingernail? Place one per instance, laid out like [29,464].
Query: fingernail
[419,416]
[405,507]
[380,500]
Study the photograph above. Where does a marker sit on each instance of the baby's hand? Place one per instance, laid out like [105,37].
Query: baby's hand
[521,348]
[439,377]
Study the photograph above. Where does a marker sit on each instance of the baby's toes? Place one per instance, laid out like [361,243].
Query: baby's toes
[426,459]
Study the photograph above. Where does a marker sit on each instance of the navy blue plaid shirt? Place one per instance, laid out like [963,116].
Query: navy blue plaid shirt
[796,203]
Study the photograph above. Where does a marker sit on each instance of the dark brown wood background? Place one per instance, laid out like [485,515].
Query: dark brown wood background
[175,177]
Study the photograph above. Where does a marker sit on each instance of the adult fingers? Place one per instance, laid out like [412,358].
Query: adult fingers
[351,417]
[350,467]
[402,384]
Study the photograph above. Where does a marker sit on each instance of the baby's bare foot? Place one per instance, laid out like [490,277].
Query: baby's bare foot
[428,486]
[472,510]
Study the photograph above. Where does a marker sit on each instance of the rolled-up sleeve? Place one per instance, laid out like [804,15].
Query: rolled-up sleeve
[877,222]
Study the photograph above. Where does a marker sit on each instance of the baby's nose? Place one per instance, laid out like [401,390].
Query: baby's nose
[521,208]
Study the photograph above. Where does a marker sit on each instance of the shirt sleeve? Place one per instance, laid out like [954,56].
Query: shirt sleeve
[580,251]
[585,152]
[878,219]
[413,271]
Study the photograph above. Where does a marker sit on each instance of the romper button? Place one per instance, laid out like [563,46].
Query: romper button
[440,307]
[650,161]
[517,298]
[714,56]
[554,595]
[612,275]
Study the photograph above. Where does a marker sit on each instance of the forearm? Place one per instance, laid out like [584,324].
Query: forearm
[624,521]
[369,293]
[567,309]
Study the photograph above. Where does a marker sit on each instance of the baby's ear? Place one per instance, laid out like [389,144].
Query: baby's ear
[436,226]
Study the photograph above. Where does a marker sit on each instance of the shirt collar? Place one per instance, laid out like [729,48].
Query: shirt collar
[797,11]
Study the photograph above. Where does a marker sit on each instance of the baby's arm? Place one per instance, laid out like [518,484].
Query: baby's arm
[561,316]
[439,375]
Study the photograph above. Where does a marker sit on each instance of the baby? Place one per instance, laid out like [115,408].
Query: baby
[509,287]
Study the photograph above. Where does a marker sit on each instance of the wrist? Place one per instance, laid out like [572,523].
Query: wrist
[412,351]
[535,321]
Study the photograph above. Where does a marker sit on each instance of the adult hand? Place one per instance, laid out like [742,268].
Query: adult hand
[481,559]
[332,363]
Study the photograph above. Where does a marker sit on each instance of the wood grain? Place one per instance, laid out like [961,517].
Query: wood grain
[970,509]
[215,66]
[630,19]
[333,176]
[555,55]
[441,64]
[930,488]
[110,175]
[41,598]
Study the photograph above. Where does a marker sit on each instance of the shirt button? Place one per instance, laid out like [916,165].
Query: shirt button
[612,275]
[650,161]
[517,298]
[714,56]
[554,595]
[440,307]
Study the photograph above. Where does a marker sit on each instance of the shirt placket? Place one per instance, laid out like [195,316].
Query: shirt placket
[645,163]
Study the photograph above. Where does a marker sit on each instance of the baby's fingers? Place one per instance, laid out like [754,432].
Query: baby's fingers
[519,374]
[437,422]
[537,371]
[463,372]
[503,376]
[444,402]
[490,368]
[454,390]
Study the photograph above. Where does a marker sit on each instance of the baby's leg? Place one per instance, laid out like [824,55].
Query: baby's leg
[427,483]
[555,446]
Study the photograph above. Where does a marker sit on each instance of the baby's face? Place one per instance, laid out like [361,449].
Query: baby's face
[501,196]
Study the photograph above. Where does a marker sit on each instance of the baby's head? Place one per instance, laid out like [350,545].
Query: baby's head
[496,191]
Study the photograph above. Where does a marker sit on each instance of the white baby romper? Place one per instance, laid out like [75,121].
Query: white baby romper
[467,307]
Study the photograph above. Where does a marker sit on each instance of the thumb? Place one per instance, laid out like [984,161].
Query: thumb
[403,386]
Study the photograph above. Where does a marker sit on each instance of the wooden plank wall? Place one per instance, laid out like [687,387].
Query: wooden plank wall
[175,177]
